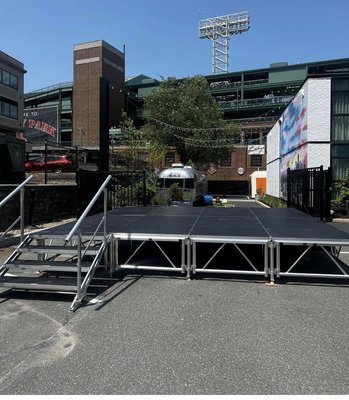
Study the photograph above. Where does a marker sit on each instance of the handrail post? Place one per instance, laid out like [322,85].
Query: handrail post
[105,191]
[78,278]
[45,161]
[144,188]
[8,197]
[87,209]
[21,206]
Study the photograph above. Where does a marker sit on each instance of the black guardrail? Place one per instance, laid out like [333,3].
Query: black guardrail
[126,188]
[310,190]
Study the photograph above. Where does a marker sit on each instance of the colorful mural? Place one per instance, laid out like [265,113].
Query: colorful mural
[297,159]
[294,136]
[294,127]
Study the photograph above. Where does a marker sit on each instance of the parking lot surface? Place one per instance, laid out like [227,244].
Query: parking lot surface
[160,334]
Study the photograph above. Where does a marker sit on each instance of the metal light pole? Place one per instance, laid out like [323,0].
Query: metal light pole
[219,30]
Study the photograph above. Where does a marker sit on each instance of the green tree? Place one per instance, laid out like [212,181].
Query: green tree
[341,202]
[134,142]
[184,115]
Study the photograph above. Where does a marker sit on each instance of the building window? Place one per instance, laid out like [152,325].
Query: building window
[8,79]
[14,81]
[225,162]
[340,109]
[5,78]
[13,111]
[169,159]
[256,160]
[143,155]
[8,109]
[253,138]
[339,130]
[66,103]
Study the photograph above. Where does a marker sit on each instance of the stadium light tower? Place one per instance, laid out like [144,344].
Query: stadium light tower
[219,30]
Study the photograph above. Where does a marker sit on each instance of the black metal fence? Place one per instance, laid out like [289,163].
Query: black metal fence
[309,190]
[223,188]
[126,188]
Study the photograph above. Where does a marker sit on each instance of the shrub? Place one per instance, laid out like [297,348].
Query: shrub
[274,202]
[341,202]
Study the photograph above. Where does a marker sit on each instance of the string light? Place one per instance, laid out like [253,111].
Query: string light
[190,129]
[215,128]
[209,143]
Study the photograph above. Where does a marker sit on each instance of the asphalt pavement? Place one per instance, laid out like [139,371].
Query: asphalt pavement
[160,334]
[156,333]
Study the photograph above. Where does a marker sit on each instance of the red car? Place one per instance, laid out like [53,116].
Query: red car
[55,164]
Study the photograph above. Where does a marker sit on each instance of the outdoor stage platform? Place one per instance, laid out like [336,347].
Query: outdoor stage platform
[246,241]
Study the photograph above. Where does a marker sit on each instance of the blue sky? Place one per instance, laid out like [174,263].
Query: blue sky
[161,37]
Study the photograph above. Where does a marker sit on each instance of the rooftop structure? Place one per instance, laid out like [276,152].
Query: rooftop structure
[219,30]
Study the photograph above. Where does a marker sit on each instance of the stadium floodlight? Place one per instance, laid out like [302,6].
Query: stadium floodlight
[219,30]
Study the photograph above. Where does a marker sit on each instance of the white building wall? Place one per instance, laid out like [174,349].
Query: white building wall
[317,92]
[273,143]
[319,122]
[273,178]
[319,109]
[273,161]
[319,154]
[253,179]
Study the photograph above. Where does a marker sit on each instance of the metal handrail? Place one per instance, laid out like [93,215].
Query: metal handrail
[88,209]
[20,219]
[80,284]
[7,198]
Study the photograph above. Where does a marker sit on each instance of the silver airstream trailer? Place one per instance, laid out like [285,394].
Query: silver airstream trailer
[192,183]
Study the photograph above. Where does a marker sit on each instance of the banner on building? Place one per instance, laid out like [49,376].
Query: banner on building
[255,149]
[40,124]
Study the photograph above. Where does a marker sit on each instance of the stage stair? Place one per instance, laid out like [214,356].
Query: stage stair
[62,263]
[54,265]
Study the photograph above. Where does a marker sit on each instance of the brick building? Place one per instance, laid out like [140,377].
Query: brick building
[12,149]
[98,90]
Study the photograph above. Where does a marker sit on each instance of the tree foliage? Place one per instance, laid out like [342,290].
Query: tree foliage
[176,112]
[342,199]
[133,144]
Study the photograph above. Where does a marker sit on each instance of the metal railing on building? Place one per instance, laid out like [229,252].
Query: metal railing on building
[64,85]
[259,102]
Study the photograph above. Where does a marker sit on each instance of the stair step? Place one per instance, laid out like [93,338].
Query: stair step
[39,283]
[36,265]
[38,249]
[60,236]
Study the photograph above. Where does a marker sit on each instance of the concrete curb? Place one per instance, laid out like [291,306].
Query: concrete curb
[8,242]
[262,204]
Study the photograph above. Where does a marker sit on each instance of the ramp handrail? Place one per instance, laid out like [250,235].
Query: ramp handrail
[82,285]
[88,209]
[21,213]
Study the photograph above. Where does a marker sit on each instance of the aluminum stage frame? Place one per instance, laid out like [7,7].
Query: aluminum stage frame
[230,241]
[269,243]
[190,228]
[304,246]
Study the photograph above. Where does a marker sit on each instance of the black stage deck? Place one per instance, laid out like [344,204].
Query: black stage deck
[247,240]
[287,224]
[275,224]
